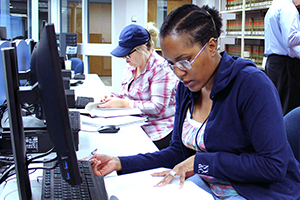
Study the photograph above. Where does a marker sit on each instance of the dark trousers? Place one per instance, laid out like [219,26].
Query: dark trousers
[284,71]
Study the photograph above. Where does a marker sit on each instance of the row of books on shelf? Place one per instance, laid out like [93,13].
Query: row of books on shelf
[238,4]
[252,52]
[253,27]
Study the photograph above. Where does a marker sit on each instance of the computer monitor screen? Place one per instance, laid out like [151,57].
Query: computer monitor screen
[54,104]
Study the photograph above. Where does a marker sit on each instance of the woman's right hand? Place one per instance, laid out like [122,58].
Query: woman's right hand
[104,164]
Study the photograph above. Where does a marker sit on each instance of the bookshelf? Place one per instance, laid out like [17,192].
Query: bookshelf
[243,28]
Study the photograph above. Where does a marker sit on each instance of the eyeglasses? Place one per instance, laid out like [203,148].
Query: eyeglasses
[185,64]
[128,55]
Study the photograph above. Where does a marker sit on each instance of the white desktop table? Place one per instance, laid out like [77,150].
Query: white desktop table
[92,87]
[129,140]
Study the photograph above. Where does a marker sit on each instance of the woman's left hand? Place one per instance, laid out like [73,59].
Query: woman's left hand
[185,169]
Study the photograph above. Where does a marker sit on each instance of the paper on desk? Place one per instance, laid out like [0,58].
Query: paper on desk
[140,185]
[93,111]
[91,105]
[92,124]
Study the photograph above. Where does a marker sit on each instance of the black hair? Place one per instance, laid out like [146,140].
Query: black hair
[198,23]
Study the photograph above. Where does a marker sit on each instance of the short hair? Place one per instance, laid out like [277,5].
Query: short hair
[198,23]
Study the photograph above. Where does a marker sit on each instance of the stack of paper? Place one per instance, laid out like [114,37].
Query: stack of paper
[93,117]
[92,124]
[92,110]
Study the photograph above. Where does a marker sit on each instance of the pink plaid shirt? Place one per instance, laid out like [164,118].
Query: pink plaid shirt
[153,92]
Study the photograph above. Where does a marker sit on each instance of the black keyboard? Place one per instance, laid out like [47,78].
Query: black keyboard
[82,101]
[54,187]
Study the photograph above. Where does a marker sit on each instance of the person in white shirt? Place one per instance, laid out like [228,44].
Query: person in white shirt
[282,46]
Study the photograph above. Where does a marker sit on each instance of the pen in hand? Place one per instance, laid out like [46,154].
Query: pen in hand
[92,154]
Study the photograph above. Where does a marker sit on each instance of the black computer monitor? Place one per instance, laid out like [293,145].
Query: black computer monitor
[13,94]
[54,105]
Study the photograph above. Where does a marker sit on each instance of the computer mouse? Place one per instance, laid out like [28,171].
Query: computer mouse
[108,129]
[76,83]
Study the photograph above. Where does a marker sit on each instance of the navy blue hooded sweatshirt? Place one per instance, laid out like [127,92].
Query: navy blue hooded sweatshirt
[244,137]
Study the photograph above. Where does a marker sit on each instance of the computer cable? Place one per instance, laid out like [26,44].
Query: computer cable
[7,173]
[7,159]
[31,160]
[34,170]
[47,168]
[45,161]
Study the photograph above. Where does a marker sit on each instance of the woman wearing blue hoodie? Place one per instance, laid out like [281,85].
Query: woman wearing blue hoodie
[228,129]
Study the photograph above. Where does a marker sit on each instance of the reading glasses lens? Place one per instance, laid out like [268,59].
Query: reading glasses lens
[182,65]
[128,55]
[185,64]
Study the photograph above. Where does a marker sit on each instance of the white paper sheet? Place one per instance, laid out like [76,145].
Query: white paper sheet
[140,185]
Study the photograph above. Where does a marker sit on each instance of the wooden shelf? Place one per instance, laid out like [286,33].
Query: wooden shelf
[254,13]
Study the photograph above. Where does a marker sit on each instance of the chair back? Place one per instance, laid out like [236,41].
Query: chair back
[31,43]
[77,65]
[23,55]
[292,126]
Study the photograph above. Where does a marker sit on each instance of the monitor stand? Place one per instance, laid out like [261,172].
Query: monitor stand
[10,67]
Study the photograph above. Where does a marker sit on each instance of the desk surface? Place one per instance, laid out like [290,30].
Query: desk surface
[118,144]
[122,143]
[92,87]
[129,140]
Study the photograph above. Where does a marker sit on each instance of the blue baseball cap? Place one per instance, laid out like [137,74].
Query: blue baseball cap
[130,37]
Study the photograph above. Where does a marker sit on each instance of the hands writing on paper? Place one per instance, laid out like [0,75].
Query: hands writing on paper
[185,169]
[113,102]
[104,164]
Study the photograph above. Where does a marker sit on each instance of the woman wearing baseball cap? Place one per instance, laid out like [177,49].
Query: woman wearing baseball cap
[147,83]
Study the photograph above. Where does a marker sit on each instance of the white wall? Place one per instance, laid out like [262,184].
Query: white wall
[122,11]
[100,20]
